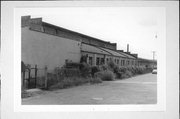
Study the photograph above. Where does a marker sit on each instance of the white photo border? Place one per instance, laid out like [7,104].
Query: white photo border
[160,106]
[12,109]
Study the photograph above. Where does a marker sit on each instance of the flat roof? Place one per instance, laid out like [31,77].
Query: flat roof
[112,52]
[93,49]
[127,55]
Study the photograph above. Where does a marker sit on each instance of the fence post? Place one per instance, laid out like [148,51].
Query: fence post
[29,78]
[35,75]
[57,75]
[46,78]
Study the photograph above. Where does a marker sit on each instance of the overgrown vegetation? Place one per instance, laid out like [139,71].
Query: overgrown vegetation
[105,75]
[126,72]
[75,74]
[74,81]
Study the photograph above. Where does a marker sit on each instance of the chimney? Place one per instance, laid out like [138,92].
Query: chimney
[127,47]
[25,21]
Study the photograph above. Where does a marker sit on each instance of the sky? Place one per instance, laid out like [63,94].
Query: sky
[139,27]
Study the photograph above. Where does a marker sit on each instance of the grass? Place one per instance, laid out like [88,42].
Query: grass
[74,81]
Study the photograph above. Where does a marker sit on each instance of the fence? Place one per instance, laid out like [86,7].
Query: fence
[33,77]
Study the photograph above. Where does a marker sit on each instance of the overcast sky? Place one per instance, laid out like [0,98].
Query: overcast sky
[136,26]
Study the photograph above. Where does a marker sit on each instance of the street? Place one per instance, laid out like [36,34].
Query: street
[141,89]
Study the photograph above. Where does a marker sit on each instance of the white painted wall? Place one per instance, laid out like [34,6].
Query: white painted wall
[44,49]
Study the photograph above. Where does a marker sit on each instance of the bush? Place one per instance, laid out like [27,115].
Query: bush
[119,74]
[52,79]
[95,80]
[77,69]
[94,69]
[105,75]
[71,72]
[103,67]
[85,70]
[112,66]
[72,65]
[125,74]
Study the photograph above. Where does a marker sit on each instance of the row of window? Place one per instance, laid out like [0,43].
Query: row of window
[101,61]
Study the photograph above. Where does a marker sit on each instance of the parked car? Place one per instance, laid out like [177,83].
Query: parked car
[154,71]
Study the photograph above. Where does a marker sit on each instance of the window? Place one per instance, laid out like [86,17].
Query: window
[107,59]
[90,60]
[97,61]
[102,60]
[122,62]
[117,61]
[127,62]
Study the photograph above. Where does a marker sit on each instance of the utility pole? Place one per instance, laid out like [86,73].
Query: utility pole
[153,55]
[154,52]
[153,58]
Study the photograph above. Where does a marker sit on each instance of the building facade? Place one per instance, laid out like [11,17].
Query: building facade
[48,45]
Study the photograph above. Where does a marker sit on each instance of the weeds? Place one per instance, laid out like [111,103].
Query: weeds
[105,75]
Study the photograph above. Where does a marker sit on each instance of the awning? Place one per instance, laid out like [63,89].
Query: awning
[93,49]
[127,55]
[112,52]
[105,51]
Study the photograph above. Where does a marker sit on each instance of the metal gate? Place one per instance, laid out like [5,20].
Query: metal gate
[30,77]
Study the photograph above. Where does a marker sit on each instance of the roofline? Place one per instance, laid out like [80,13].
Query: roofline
[147,59]
[130,54]
[127,54]
[105,50]
[77,33]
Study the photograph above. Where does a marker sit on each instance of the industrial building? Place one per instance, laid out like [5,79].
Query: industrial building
[48,45]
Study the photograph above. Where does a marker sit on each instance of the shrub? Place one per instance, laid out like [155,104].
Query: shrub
[51,79]
[133,70]
[71,72]
[85,70]
[95,80]
[105,75]
[116,69]
[119,74]
[141,70]
[94,69]
[72,65]
[111,66]
[103,67]
[129,73]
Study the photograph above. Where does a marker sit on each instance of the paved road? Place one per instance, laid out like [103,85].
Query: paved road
[141,89]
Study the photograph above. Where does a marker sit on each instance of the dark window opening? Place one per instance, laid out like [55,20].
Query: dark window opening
[102,61]
[97,61]
[90,60]
[107,59]
[117,61]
